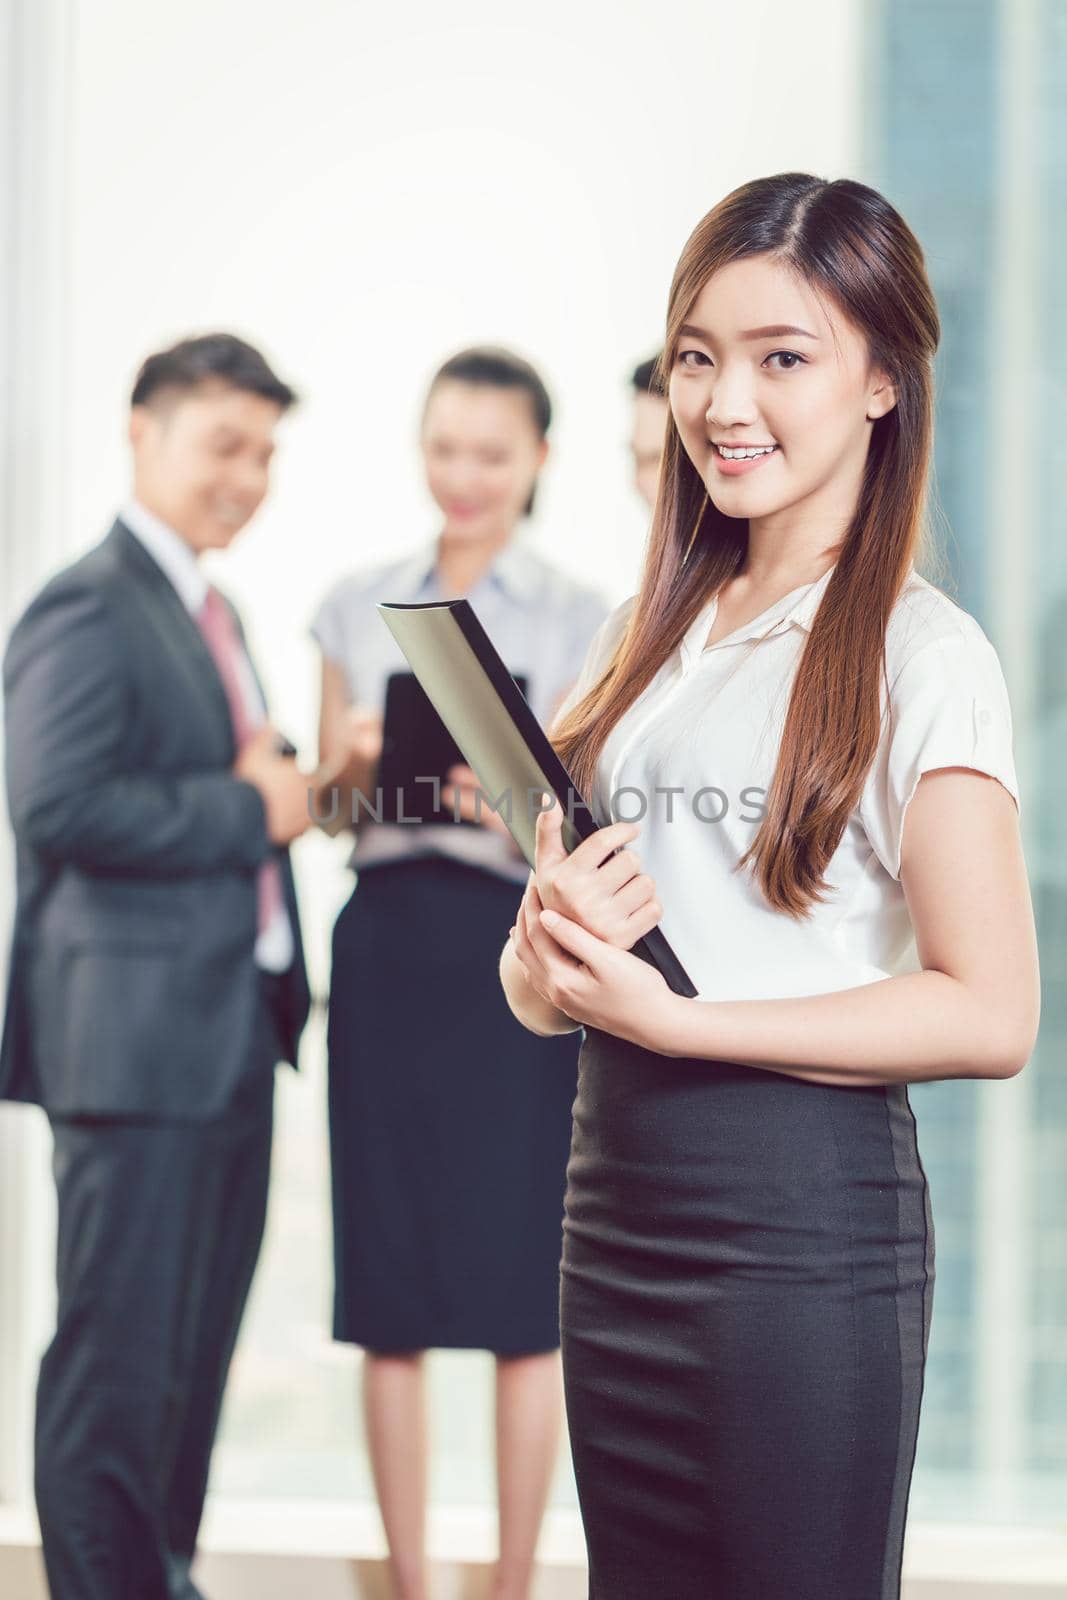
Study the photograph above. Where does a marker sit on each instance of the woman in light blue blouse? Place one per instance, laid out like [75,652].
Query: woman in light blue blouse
[449,1122]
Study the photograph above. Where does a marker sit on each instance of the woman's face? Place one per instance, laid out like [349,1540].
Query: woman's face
[482,453]
[761,364]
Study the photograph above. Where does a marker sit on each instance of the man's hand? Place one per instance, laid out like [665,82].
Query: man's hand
[604,892]
[281,784]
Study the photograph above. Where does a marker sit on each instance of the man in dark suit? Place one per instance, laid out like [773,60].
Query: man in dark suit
[157,973]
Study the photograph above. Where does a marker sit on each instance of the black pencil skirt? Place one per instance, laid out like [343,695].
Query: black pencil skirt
[450,1123]
[747,1278]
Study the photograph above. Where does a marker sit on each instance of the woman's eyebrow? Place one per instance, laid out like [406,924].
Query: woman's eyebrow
[774,331]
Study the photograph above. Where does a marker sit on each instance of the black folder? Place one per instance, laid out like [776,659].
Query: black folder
[502,741]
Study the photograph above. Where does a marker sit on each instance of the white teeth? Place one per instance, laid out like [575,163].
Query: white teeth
[743,455]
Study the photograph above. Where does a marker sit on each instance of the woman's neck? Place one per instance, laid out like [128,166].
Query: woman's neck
[462,562]
[781,561]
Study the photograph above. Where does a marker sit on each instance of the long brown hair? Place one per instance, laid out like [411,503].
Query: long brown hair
[849,243]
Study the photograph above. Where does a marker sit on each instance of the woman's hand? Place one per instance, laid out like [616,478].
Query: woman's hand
[588,979]
[464,797]
[605,893]
[361,731]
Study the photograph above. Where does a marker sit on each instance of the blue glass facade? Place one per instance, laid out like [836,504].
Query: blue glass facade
[944,104]
[1047,1378]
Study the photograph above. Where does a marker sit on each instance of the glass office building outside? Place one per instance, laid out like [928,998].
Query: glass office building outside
[968,137]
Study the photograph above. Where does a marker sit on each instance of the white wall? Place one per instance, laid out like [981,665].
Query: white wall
[34,210]
[361,191]
[364,188]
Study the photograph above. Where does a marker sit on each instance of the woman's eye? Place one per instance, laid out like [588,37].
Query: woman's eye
[790,356]
[698,357]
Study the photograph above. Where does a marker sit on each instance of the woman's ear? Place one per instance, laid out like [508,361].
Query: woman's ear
[881,397]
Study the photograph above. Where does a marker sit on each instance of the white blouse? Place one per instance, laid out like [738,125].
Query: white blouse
[709,727]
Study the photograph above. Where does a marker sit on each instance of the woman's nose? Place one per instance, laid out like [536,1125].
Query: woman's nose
[731,401]
[462,485]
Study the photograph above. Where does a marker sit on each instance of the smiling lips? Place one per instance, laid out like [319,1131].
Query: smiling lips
[732,461]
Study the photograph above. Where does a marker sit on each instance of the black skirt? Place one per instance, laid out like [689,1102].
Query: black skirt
[449,1122]
[746,1288]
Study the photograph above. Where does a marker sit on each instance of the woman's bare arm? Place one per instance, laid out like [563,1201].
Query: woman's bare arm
[972,1012]
[348,734]
[333,707]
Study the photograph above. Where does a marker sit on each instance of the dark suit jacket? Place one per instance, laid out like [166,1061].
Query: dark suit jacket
[132,988]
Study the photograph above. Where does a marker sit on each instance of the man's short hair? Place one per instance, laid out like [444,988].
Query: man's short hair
[646,378]
[219,358]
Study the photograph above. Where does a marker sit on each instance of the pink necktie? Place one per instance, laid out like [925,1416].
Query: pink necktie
[216,623]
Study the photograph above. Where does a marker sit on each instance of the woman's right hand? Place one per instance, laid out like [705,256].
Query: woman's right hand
[362,733]
[606,893]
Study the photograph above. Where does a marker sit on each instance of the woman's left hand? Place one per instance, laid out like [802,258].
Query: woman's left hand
[464,796]
[593,982]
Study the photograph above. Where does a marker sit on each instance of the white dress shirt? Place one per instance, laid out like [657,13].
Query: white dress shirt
[275,947]
[712,720]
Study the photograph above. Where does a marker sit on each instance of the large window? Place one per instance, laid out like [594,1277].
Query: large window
[1045,403]
[969,139]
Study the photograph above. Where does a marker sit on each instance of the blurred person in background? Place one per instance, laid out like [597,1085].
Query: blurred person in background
[648,428]
[449,1122]
[157,974]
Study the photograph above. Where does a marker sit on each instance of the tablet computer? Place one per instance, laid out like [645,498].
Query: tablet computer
[417,752]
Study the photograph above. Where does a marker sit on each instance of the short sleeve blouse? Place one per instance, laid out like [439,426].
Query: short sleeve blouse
[693,758]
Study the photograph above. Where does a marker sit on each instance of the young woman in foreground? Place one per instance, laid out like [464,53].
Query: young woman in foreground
[748,1253]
